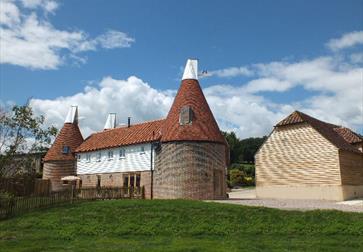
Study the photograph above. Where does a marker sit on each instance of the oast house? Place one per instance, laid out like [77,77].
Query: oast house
[184,155]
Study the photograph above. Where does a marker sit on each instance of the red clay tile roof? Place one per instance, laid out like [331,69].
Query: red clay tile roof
[203,127]
[331,132]
[71,136]
[348,135]
[135,134]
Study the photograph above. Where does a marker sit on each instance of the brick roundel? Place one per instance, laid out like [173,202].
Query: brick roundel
[203,127]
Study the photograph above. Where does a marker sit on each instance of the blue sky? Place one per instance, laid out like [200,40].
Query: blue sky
[254,42]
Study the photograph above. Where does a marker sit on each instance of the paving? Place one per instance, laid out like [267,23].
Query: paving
[247,197]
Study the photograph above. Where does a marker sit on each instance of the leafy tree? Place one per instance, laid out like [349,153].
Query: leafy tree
[21,132]
[243,151]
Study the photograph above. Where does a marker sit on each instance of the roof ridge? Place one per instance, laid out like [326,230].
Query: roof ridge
[123,127]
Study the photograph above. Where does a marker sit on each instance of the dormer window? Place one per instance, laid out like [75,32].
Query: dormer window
[65,149]
[186,115]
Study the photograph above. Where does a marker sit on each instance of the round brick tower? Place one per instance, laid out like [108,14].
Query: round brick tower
[60,160]
[191,162]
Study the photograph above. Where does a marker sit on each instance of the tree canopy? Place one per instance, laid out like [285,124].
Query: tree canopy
[21,132]
[242,151]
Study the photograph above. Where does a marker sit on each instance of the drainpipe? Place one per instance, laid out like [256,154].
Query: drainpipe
[151,168]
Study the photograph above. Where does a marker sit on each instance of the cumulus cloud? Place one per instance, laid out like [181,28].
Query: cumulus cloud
[347,40]
[336,84]
[228,72]
[31,41]
[132,97]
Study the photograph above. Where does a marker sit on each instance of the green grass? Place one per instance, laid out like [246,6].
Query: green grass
[167,225]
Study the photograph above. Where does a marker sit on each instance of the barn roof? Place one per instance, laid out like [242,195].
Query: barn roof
[135,134]
[341,137]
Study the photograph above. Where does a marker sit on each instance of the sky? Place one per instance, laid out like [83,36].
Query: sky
[264,59]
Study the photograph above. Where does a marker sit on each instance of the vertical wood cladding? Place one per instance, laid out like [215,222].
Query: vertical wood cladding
[187,170]
[351,168]
[55,170]
[297,154]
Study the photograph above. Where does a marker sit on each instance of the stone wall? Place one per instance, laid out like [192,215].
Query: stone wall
[55,170]
[190,170]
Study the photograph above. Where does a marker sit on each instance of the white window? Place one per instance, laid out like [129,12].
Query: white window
[99,155]
[88,158]
[142,150]
[110,155]
[122,153]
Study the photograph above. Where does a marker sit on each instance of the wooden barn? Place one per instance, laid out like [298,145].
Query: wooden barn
[305,158]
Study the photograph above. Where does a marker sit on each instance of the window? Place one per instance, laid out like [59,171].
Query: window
[142,149]
[122,153]
[88,157]
[79,156]
[186,115]
[98,181]
[99,155]
[65,149]
[110,155]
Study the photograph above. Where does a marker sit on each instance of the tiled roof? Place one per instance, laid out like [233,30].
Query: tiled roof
[333,133]
[348,135]
[203,126]
[135,134]
[70,136]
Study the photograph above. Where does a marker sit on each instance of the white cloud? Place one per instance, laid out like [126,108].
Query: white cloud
[229,72]
[131,97]
[33,42]
[356,57]
[114,39]
[47,5]
[335,82]
[347,40]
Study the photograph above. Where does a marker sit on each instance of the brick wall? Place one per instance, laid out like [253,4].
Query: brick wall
[55,170]
[190,170]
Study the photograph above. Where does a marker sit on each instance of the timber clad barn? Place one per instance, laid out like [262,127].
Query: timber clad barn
[305,158]
[182,156]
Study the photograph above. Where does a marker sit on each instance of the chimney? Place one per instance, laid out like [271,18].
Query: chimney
[128,122]
[110,122]
[72,116]
[191,70]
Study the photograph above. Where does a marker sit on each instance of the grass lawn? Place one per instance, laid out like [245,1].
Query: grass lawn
[179,225]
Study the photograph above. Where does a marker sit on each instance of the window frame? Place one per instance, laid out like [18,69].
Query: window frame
[122,153]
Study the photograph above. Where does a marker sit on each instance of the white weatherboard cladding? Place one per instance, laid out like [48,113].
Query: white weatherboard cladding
[134,160]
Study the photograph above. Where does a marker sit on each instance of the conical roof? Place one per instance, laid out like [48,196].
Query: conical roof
[68,139]
[190,118]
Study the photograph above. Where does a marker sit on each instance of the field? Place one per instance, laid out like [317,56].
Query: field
[179,225]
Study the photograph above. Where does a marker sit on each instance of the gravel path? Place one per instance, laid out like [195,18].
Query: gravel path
[247,197]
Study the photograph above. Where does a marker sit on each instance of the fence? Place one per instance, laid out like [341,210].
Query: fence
[25,186]
[17,205]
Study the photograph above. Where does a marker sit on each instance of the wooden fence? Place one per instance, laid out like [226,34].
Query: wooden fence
[17,205]
[25,186]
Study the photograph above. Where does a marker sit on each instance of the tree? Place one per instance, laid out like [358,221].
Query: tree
[21,132]
[242,151]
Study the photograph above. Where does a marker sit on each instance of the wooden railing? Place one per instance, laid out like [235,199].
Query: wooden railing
[18,205]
